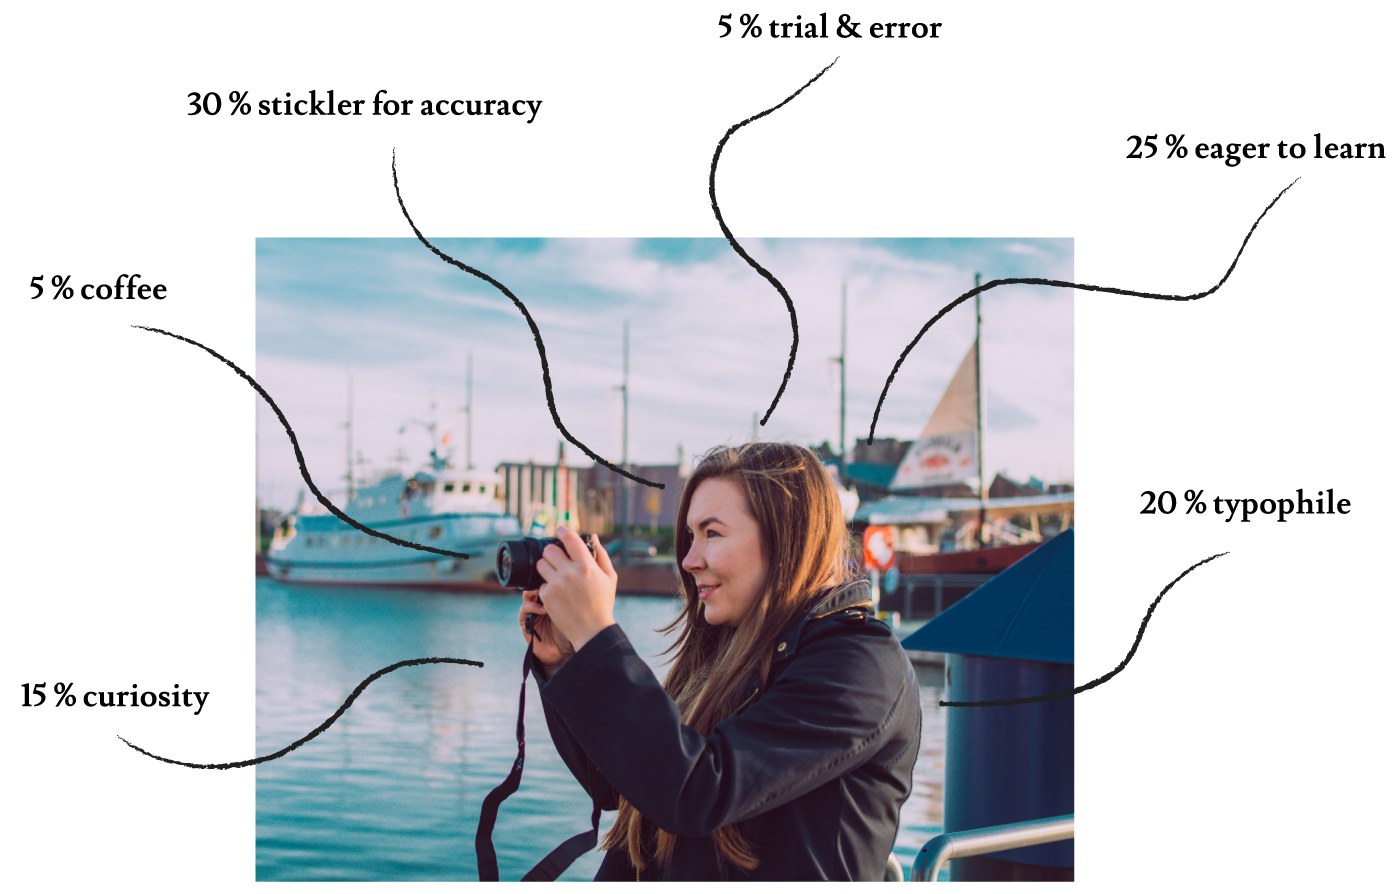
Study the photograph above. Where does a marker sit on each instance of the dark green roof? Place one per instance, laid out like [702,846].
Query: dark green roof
[878,474]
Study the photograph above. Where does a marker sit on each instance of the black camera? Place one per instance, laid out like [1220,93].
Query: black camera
[515,560]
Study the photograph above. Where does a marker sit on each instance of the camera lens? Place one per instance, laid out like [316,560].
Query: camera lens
[504,565]
[516,559]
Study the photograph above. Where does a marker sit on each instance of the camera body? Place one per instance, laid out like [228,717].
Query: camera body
[516,559]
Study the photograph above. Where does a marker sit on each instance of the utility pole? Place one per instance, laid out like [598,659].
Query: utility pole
[562,515]
[841,417]
[977,368]
[841,448]
[626,492]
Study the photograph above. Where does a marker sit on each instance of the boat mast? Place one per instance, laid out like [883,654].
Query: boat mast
[257,490]
[977,369]
[438,462]
[350,439]
[469,410]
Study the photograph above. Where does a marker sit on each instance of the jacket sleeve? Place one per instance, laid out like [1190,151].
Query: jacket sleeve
[831,707]
[588,776]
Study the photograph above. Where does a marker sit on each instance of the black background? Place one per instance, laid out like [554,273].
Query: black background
[1176,393]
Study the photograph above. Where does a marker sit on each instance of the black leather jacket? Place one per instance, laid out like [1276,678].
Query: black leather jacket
[814,769]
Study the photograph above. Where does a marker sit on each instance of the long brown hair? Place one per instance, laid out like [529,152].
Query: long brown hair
[806,549]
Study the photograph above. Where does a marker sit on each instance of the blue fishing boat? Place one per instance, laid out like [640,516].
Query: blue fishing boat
[456,510]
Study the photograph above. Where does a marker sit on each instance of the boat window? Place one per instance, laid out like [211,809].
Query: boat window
[435,532]
[448,487]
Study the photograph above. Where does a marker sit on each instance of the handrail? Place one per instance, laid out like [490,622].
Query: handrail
[894,872]
[956,578]
[973,842]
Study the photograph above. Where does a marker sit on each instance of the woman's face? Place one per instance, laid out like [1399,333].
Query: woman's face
[726,551]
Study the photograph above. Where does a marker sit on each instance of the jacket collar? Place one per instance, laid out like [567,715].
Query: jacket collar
[853,596]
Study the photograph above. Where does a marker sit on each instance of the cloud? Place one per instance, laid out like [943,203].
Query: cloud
[709,343]
[1021,248]
[1002,415]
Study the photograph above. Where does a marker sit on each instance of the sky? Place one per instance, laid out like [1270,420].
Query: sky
[709,341]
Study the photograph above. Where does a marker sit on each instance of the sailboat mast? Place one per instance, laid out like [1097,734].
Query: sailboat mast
[977,367]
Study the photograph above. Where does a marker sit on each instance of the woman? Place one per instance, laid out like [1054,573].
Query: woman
[783,742]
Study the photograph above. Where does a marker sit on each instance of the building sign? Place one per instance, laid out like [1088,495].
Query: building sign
[938,459]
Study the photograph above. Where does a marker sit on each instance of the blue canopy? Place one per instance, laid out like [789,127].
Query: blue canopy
[1025,612]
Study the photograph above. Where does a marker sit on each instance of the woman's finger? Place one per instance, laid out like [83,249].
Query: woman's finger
[604,560]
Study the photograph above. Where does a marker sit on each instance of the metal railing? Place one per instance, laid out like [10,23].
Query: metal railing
[902,596]
[973,842]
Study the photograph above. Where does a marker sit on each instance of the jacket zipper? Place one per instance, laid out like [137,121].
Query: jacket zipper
[745,703]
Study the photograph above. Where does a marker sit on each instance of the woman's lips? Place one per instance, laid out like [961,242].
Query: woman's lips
[706,591]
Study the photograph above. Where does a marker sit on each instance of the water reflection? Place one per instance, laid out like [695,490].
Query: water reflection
[393,790]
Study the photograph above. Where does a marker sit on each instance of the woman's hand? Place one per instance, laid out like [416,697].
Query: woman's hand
[579,589]
[550,646]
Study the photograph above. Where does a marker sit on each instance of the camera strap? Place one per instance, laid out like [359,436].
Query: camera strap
[559,859]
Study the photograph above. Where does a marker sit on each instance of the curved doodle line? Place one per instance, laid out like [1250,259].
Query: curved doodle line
[1106,677]
[714,203]
[318,730]
[301,460]
[539,340]
[870,439]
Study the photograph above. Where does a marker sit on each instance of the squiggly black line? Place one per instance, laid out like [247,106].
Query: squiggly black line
[1106,677]
[539,340]
[714,203]
[870,439]
[318,730]
[301,460]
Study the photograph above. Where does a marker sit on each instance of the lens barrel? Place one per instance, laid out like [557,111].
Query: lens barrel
[516,559]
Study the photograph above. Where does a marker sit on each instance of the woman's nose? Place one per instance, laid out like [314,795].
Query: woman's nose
[692,561]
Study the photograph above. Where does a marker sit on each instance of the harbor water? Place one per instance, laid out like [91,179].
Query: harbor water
[393,790]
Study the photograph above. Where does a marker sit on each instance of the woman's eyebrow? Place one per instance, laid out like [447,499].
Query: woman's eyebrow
[713,518]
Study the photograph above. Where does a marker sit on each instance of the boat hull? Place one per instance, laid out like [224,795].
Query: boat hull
[429,572]
[975,561]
